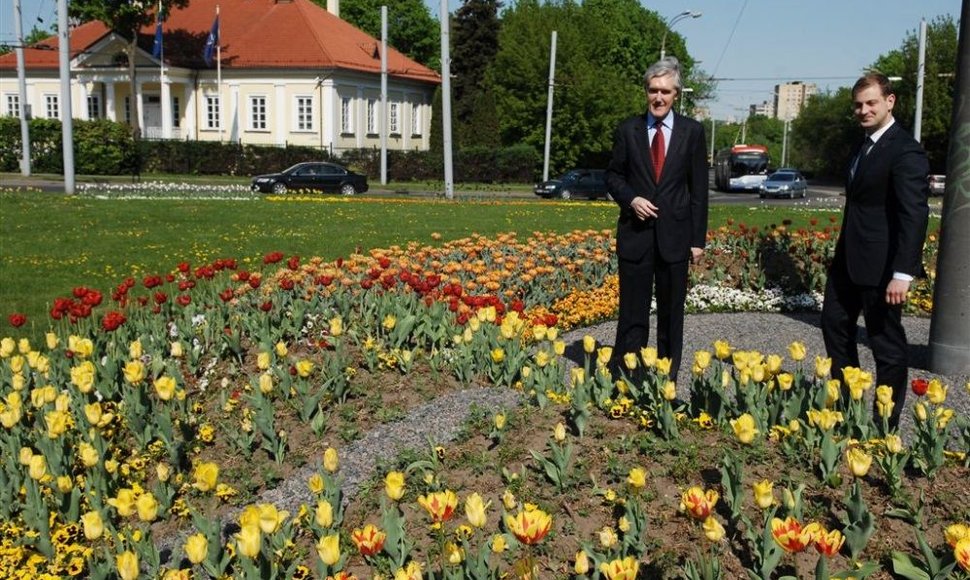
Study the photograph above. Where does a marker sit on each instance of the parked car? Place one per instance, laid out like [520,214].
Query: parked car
[588,183]
[937,184]
[312,175]
[784,183]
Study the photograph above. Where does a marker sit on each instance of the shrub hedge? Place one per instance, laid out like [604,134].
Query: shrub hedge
[106,148]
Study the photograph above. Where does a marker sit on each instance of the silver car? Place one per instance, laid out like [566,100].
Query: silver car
[784,183]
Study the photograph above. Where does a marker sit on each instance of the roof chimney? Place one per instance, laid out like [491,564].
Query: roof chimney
[333,7]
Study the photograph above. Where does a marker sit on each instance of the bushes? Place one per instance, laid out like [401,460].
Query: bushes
[106,148]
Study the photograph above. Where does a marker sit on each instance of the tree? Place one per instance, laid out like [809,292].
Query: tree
[824,133]
[410,27]
[938,85]
[474,41]
[127,19]
[36,35]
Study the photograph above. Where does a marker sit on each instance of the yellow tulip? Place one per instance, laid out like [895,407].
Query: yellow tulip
[124,502]
[581,567]
[454,554]
[263,360]
[280,349]
[498,355]
[93,525]
[37,468]
[330,460]
[196,548]
[833,391]
[249,541]
[323,515]
[589,344]
[763,495]
[893,443]
[773,363]
[796,351]
[669,389]
[608,537]
[92,413]
[500,421]
[82,376]
[336,326]
[64,483]
[147,507]
[475,510]
[956,532]
[205,476]
[23,345]
[529,526]
[637,478]
[702,359]
[663,366]
[559,432]
[265,383]
[304,368]
[165,387]
[57,423]
[270,519]
[127,564]
[713,530]
[744,428]
[7,347]
[859,461]
[508,500]
[559,347]
[722,349]
[936,392]
[785,381]
[176,350]
[134,372]
[163,471]
[25,454]
[394,485]
[630,361]
[498,543]
[603,355]
[328,548]
[823,366]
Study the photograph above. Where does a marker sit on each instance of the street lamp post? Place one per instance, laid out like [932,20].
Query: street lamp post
[683,98]
[670,23]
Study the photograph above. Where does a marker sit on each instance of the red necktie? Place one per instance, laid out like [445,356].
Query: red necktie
[657,149]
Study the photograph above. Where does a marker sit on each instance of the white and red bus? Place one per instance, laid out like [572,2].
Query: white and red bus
[740,167]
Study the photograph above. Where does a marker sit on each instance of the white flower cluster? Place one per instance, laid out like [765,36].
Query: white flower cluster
[164,190]
[707,298]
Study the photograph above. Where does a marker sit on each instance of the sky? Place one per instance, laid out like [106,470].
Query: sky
[752,45]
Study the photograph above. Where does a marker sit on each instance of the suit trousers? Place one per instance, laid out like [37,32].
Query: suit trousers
[844,301]
[637,279]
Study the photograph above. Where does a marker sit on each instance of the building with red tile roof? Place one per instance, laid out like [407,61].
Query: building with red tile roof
[286,72]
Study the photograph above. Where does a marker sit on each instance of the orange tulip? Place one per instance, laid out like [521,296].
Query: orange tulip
[791,535]
[828,543]
[698,503]
[961,552]
[529,526]
[440,505]
[369,540]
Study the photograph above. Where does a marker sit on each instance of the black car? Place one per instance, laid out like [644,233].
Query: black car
[588,183]
[312,175]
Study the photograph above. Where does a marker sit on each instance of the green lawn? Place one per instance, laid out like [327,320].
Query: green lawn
[50,243]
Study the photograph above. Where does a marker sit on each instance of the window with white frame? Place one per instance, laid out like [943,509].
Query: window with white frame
[212,113]
[394,128]
[371,116]
[415,119]
[304,113]
[94,106]
[257,113]
[346,115]
[128,110]
[52,106]
[176,112]
[12,105]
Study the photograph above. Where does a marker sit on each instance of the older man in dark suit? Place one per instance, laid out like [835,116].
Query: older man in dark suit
[658,176]
[879,251]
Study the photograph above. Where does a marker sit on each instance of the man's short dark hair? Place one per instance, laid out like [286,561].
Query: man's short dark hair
[873,79]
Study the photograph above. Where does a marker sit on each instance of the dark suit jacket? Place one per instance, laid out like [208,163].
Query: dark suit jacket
[886,211]
[681,195]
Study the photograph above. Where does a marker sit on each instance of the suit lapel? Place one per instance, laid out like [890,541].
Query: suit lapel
[642,139]
[676,149]
[866,161]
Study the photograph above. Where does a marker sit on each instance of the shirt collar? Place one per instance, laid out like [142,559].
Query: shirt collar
[877,134]
[668,121]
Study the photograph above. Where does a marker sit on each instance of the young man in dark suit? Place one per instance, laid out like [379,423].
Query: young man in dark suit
[879,251]
[658,176]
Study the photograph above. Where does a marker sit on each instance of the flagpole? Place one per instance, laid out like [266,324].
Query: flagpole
[164,89]
[219,71]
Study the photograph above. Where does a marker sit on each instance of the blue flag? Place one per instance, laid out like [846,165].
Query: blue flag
[157,46]
[211,42]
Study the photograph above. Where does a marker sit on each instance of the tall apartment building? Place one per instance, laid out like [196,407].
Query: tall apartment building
[791,97]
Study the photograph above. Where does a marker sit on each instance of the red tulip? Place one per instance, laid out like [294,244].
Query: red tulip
[919,386]
[17,319]
[112,320]
[184,299]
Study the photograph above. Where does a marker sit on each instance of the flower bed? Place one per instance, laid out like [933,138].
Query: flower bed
[143,422]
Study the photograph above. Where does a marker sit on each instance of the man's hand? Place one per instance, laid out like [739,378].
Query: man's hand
[643,208]
[696,255]
[896,291]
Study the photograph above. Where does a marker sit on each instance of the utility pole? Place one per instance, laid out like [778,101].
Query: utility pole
[22,91]
[920,74]
[713,132]
[552,84]
[67,122]
[949,332]
[784,145]
[446,99]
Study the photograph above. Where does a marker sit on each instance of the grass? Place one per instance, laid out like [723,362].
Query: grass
[51,243]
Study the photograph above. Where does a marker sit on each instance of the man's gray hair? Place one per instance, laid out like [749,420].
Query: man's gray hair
[666,66]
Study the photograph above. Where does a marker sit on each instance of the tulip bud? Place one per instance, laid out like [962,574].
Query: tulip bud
[330,460]
[559,432]
[93,525]
[582,563]
[589,345]
[196,548]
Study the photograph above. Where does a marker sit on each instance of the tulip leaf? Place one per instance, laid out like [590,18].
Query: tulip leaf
[904,566]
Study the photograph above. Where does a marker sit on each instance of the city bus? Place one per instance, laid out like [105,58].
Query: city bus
[740,167]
